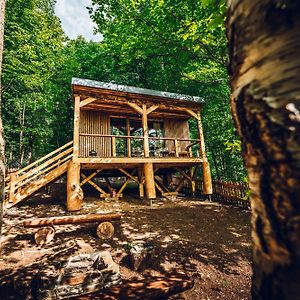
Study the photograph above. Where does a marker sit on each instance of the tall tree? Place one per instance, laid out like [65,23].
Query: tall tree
[2,143]
[180,46]
[264,50]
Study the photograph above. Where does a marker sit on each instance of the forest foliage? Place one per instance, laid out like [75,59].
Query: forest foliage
[172,45]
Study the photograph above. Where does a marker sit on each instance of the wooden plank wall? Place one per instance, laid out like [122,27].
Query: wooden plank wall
[94,122]
[176,129]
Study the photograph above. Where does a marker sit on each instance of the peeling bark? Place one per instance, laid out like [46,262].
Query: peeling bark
[2,142]
[264,48]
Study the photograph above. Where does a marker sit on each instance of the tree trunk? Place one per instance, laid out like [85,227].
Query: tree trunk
[2,143]
[264,48]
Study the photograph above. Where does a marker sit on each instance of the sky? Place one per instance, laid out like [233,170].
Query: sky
[75,19]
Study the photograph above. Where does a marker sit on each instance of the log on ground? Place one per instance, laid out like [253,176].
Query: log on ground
[79,219]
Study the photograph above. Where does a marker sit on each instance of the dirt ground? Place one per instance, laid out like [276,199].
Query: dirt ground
[205,240]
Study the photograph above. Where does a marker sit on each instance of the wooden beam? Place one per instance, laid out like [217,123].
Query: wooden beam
[90,177]
[109,185]
[136,107]
[158,181]
[137,160]
[123,187]
[128,175]
[76,127]
[98,188]
[152,108]
[159,188]
[87,101]
[191,113]
[184,174]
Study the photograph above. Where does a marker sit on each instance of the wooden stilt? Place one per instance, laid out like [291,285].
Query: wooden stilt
[149,181]
[141,184]
[193,182]
[207,184]
[74,191]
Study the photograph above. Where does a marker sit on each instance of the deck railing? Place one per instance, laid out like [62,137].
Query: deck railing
[159,146]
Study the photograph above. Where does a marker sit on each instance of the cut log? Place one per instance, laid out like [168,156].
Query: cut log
[146,289]
[79,219]
[105,230]
[44,235]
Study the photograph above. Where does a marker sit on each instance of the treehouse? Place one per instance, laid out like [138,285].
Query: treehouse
[137,134]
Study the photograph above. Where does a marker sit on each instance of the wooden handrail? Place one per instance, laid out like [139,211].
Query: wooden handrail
[44,165]
[138,137]
[42,172]
[111,136]
[41,167]
[44,158]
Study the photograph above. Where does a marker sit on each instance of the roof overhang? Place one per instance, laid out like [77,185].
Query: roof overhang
[111,96]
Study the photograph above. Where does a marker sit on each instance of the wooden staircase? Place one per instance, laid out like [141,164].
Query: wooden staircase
[23,183]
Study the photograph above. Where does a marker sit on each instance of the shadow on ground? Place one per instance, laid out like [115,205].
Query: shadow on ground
[203,240]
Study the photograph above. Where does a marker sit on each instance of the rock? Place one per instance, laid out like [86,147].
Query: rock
[140,254]
[82,274]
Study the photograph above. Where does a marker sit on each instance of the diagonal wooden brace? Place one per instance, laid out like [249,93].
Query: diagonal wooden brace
[90,177]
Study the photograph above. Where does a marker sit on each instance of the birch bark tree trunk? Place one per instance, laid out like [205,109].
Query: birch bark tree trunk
[2,143]
[264,48]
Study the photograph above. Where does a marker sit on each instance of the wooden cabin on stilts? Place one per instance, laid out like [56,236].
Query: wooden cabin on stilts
[137,134]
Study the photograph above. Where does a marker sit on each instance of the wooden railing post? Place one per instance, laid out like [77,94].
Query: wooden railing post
[113,146]
[145,131]
[176,146]
[128,140]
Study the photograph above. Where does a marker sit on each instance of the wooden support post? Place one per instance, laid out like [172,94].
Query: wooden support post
[201,136]
[176,146]
[149,181]
[193,182]
[113,146]
[76,127]
[207,183]
[141,184]
[145,132]
[74,191]
[128,140]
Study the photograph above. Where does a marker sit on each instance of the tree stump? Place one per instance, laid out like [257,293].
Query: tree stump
[44,235]
[105,230]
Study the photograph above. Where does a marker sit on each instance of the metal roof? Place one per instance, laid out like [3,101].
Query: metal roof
[134,90]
